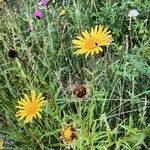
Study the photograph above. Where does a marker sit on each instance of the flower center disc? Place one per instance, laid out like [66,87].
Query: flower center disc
[91,44]
[32,108]
[68,133]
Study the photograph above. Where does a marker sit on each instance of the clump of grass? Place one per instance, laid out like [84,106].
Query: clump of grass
[114,109]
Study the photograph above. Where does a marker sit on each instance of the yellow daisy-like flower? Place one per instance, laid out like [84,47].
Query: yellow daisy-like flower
[30,107]
[91,43]
[68,134]
[1,145]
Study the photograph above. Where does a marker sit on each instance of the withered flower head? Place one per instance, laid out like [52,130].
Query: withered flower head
[79,91]
[2,2]
[68,134]
[12,53]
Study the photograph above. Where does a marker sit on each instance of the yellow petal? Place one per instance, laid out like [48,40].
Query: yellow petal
[92,52]
[106,34]
[21,107]
[77,42]
[81,38]
[105,30]
[95,31]
[87,54]
[81,51]
[97,51]
[21,102]
[33,95]
[100,49]
[39,97]
[39,115]
[26,98]
[92,31]
[21,117]
[86,34]
[28,119]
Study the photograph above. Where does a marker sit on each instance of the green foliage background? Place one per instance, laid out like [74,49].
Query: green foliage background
[115,113]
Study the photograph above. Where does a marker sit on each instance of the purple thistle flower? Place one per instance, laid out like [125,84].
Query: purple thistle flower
[38,14]
[43,2]
[29,28]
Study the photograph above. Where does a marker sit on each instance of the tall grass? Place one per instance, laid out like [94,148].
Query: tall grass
[115,113]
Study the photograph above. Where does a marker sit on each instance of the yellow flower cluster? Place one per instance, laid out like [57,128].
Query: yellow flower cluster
[90,43]
[31,106]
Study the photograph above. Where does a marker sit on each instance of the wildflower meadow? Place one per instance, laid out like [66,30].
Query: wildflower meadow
[74,75]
